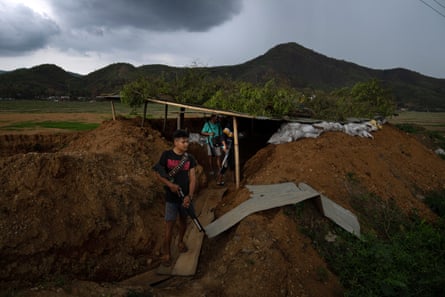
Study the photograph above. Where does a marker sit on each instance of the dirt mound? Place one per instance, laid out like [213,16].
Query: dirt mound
[12,144]
[86,205]
[267,255]
[393,166]
[91,209]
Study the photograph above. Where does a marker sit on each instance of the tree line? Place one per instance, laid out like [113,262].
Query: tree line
[272,99]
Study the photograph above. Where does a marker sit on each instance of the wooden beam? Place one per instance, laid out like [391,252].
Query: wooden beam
[181,116]
[236,151]
[113,110]
[145,113]
[165,118]
[208,110]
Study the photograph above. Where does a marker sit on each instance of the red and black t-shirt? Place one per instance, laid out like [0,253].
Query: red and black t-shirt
[169,160]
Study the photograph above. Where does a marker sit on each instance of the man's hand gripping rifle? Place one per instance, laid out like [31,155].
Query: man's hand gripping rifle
[191,213]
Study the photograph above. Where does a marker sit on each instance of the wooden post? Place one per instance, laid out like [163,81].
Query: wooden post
[113,110]
[145,113]
[182,116]
[165,117]
[178,121]
[236,150]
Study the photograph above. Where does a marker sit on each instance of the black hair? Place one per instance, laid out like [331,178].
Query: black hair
[180,134]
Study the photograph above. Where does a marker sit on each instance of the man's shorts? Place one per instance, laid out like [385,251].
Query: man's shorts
[173,209]
[213,151]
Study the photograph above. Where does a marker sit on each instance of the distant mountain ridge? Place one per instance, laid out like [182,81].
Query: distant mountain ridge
[300,67]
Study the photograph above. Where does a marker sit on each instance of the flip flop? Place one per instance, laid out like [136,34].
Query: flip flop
[182,247]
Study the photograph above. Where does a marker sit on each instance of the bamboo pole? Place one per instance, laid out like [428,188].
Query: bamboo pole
[182,116]
[145,113]
[165,117]
[178,121]
[113,110]
[236,150]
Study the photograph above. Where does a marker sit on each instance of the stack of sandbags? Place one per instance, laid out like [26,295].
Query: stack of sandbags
[289,132]
[293,131]
[197,138]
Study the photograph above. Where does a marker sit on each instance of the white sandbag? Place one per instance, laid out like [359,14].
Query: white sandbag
[293,131]
[278,138]
[311,135]
[197,138]
[329,126]
[308,129]
[440,151]
[293,126]
[297,135]
[364,133]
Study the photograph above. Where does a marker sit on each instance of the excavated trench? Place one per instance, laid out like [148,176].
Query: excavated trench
[86,204]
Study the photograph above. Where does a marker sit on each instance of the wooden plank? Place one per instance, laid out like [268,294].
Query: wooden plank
[263,197]
[145,279]
[167,270]
[185,264]
[339,215]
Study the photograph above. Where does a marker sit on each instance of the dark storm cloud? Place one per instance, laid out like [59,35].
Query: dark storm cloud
[156,15]
[22,30]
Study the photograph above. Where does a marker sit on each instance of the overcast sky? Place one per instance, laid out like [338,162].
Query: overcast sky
[85,35]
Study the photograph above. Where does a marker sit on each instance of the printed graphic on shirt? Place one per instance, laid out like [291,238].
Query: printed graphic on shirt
[171,163]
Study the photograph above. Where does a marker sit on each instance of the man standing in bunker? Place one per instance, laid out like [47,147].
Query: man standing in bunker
[176,170]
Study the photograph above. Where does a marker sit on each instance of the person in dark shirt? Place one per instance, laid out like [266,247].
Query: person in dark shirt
[228,160]
[176,170]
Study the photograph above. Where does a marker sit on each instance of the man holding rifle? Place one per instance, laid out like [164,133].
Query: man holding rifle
[176,170]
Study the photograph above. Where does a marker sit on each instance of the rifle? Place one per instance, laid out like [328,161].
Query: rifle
[191,213]
[170,176]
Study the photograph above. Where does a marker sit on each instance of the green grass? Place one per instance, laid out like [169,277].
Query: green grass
[430,125]
[45,106]
[432,121]
[398,255]
[75,126]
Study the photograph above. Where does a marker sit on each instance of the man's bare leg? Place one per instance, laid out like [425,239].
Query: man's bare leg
[166,257]
[182,228]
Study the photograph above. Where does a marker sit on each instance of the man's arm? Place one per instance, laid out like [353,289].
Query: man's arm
[192,185]
[205,130]
[173,187]
[162,176]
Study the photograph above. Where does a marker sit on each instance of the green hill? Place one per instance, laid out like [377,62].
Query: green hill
[39,81]
[304,68]
[110,79]
[300,67]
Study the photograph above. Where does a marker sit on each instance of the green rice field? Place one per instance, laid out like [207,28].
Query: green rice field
[431,121]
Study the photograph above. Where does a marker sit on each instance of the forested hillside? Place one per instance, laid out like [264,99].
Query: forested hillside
[298,67]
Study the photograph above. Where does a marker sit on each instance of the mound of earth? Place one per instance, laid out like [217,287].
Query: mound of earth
[87,206]
[393,166]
